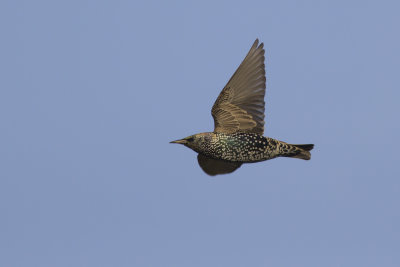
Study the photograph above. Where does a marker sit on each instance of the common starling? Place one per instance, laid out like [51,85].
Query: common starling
[238,116]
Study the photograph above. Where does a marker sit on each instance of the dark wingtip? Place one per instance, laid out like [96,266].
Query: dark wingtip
[255,45]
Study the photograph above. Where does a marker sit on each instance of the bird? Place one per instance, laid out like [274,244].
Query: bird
[238,114]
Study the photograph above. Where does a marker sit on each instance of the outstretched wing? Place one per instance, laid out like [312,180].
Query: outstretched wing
[214,166]
[240,106]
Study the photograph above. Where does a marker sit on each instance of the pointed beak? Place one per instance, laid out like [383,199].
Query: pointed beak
[181,141]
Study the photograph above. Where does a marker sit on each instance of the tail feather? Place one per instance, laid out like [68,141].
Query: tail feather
[307,147]
[302,155]
[297,151]
[304,151]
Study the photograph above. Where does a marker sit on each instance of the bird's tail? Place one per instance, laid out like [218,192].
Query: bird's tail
[296,151]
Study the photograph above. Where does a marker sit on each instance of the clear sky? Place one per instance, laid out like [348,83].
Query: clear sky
[91,93]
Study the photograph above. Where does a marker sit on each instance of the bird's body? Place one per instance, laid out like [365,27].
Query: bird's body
[242,147]
[238,116]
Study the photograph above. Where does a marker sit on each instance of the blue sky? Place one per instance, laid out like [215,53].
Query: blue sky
[93,91]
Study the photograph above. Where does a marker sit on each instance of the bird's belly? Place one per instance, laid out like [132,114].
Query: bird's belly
[250,155]
[244,150]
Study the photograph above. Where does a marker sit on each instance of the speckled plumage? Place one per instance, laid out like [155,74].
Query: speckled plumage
[238,116]
[237,147]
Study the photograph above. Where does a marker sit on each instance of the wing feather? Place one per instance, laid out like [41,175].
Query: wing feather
[240,106]
[215,166]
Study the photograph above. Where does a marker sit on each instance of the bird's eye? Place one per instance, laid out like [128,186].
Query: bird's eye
[191,139]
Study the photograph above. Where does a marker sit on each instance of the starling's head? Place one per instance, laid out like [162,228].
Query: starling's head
[195,142]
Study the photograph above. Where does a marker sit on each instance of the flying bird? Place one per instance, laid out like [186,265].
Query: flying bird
[238,116]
